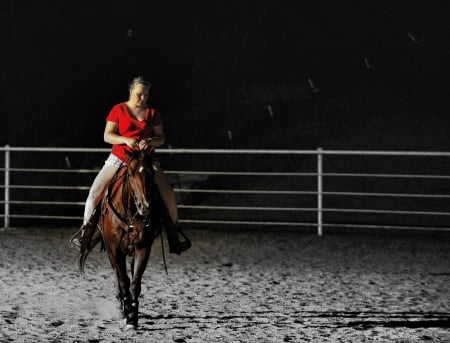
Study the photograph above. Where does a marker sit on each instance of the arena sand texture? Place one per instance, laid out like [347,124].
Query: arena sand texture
[234,286]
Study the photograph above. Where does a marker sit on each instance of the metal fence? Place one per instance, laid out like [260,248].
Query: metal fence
[260,188]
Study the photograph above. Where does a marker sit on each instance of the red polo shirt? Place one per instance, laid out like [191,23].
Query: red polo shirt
[128,126]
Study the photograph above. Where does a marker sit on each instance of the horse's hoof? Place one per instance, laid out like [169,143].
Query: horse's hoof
[130,327]
[131,323]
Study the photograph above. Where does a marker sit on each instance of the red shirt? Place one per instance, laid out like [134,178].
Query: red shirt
[128,126]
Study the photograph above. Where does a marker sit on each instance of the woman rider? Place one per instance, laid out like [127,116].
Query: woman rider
[129,126]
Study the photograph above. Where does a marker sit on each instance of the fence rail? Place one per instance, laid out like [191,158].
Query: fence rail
[296,188]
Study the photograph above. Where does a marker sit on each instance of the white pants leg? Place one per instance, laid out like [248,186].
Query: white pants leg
[98,188]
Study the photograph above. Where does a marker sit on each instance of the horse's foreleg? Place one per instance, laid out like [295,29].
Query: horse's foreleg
[118,263]
[140,263]
[140,260]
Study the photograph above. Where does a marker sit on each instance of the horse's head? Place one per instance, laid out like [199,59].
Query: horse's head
[136,173]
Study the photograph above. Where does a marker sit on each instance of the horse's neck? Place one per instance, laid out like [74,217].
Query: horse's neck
[119,192]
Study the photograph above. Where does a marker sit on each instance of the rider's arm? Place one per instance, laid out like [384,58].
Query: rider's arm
[112,137]
[158,138]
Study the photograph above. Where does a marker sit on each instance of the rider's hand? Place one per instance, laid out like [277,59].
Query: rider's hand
[131,142]
[146,145]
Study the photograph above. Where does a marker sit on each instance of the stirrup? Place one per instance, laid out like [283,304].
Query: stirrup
[81,240]
[77,239]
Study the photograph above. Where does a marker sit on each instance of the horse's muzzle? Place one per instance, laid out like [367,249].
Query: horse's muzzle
[143,208]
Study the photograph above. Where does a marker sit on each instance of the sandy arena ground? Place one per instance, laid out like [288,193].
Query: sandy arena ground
[253,286]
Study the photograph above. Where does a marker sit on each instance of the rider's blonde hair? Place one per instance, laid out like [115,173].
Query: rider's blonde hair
[138,81]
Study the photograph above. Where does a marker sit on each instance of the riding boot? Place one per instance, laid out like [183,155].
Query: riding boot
[175,245]
[82,238]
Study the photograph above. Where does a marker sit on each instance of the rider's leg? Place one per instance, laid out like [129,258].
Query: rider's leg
[168,196]
[96,192]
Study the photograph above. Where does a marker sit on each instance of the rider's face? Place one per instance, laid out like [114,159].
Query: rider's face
[139,95]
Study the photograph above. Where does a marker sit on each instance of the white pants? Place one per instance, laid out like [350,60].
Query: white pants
[104,176]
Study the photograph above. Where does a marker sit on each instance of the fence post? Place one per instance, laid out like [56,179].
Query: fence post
[319,191]
[7,166]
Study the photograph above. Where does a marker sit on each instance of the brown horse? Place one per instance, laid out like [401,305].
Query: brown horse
[130,221]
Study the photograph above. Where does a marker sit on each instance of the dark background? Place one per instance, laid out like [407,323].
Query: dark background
[381,69]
